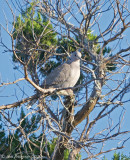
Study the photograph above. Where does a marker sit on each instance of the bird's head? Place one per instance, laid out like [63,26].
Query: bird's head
[75,56]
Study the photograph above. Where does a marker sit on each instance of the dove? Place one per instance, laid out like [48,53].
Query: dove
[66,75]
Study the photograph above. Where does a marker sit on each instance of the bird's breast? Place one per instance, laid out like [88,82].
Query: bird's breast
[74,74]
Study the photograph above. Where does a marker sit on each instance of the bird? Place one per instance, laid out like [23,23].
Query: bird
[66,75]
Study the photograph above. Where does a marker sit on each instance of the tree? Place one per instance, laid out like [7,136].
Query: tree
[10,145]
[33,30]
[42,37]
[118,156]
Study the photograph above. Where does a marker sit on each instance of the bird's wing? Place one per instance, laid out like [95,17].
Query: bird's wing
[58,76]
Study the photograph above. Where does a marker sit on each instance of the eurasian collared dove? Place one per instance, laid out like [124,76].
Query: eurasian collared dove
[65,75]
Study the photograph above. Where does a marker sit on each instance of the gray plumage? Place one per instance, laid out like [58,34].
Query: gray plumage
[65,75]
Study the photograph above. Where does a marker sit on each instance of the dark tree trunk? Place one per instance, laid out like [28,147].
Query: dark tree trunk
[68,120]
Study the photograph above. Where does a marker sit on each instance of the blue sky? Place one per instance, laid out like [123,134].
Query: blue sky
[8,74]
